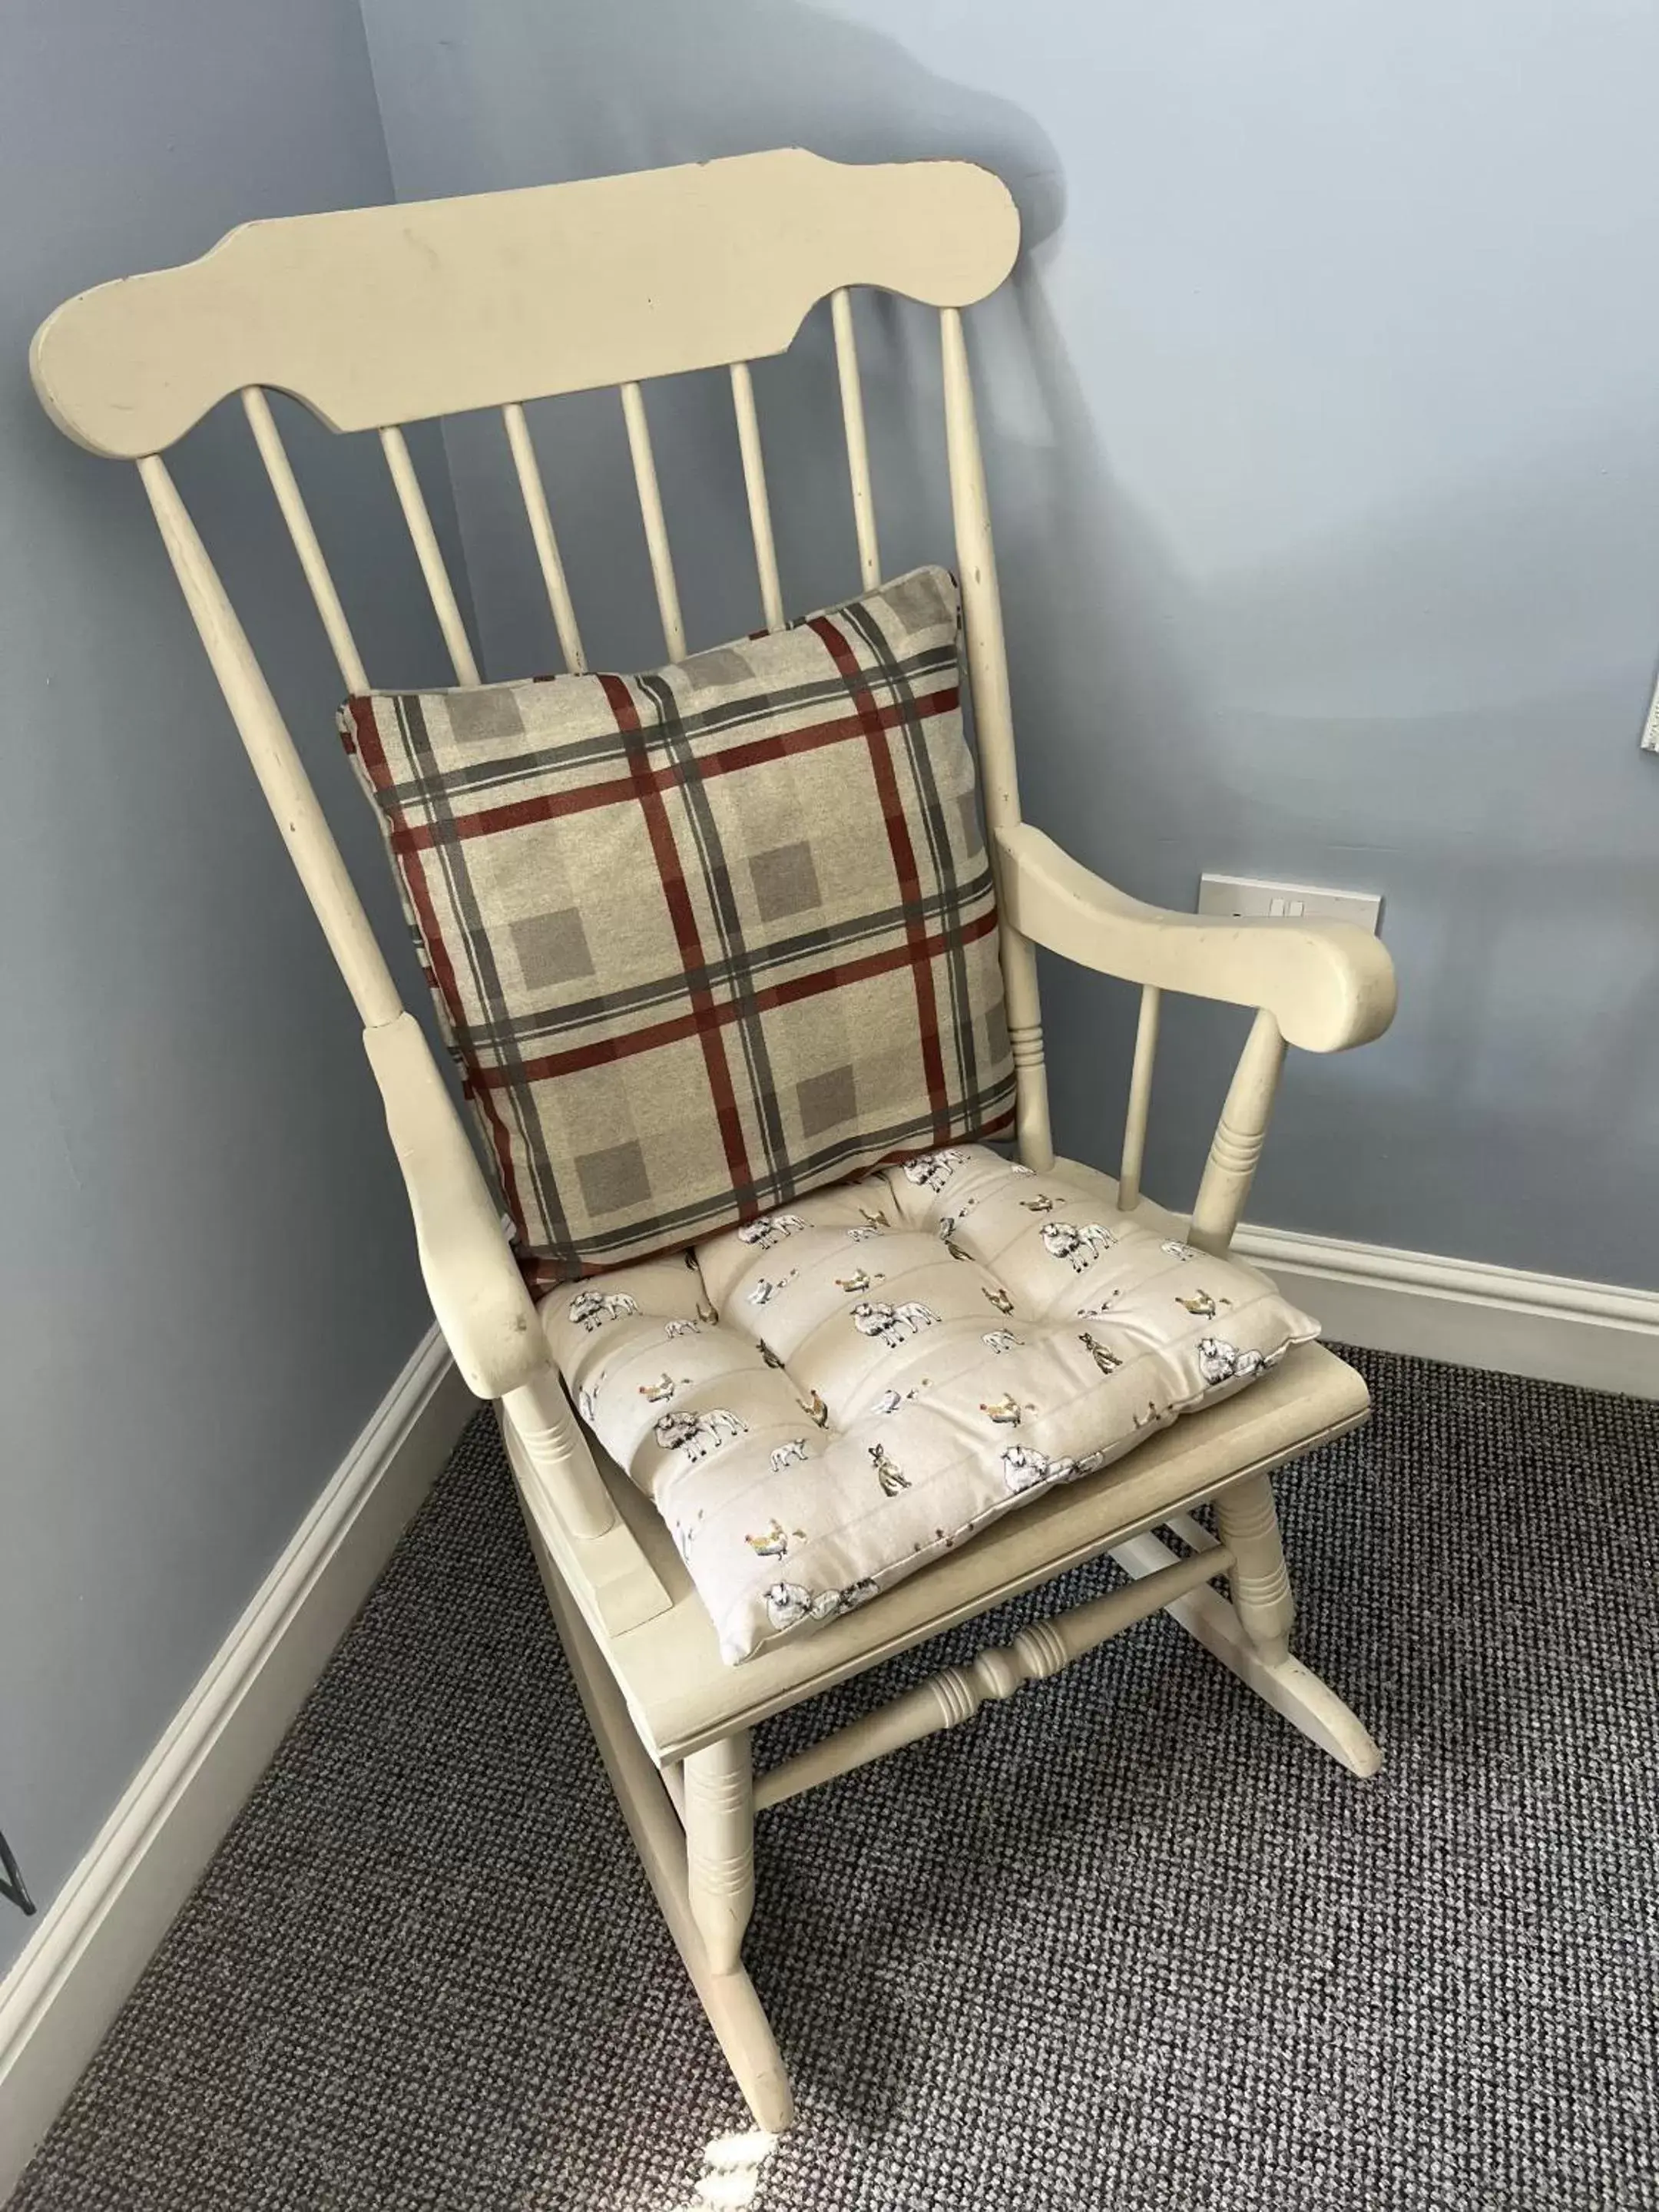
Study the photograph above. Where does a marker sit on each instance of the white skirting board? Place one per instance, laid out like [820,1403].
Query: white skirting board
[1503,1319]
[97,1934]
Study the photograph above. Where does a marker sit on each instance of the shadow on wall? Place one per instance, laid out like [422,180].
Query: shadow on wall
[767,75]
[1075,562]
[767,72]
[1074,554]
[1427,699]
[1096,613]
[1407,710]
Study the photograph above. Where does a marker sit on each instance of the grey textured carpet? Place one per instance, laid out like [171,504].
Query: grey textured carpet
[1126,1943]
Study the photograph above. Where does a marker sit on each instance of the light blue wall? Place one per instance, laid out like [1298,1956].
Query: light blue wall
[206,1274]
[1323,425]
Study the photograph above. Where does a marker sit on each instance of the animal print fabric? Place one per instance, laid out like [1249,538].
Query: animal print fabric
[823,1399]
[704,939]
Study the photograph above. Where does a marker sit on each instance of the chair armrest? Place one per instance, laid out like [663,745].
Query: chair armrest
[1327,984]
[485,1312]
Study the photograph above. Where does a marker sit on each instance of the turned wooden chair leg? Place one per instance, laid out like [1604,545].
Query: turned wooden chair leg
[1260,1583]
[723,1824]
[720,1846]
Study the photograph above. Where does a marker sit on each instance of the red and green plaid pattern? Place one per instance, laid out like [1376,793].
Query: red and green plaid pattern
[704,939]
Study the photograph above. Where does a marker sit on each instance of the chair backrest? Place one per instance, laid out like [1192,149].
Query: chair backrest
[378,317]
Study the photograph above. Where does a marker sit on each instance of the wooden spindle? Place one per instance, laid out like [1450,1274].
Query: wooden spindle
[270,749]
[1140,1100]
[994,718]
[1258,1578]
[673,1781]
[718,1797]
[1033,1140]
[954,1696]
[754,483]
[1285,1684]
[858,444]
[1192,1532]
[274,455]
[982,605]
[541,531]
[665,1850]
[656,530]
[427,552]
[559,1456]
[1240,1133]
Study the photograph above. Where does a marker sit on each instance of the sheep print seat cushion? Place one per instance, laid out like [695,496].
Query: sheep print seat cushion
[707,939]
[823,1399]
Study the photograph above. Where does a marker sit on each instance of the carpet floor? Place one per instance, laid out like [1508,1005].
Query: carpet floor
[1126,1942]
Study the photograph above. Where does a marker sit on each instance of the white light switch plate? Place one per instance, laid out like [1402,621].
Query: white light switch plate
[1240,897]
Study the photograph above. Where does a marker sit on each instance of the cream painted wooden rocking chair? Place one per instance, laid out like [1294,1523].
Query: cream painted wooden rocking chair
[490,301]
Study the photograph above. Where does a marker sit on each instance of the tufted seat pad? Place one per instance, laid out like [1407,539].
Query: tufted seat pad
[822,1401]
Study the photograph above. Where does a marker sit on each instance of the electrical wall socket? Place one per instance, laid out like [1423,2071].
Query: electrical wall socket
[1239,897]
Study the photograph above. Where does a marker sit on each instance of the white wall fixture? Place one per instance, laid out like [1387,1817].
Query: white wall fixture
[1251,898]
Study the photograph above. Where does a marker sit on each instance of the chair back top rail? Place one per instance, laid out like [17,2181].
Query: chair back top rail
[377,316]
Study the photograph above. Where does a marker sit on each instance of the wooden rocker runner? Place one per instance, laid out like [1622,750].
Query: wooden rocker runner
[490,302]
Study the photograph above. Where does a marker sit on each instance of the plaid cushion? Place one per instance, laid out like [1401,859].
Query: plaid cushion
[703,940]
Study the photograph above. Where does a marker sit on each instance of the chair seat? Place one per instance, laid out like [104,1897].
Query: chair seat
[822,1401]
[682,1694]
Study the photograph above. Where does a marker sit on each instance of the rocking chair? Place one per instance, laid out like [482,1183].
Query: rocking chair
[491,302]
